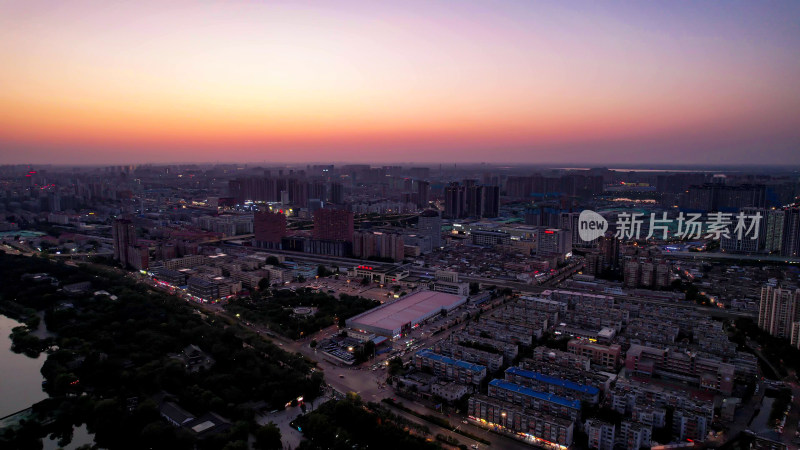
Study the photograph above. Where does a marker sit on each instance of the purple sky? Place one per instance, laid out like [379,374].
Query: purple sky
[579,82]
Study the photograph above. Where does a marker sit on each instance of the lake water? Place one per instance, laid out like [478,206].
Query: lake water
[21,382]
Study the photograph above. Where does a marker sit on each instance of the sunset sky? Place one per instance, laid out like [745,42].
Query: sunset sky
[575,82]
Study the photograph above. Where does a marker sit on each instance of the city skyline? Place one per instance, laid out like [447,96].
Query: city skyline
[584,84]
[535,307]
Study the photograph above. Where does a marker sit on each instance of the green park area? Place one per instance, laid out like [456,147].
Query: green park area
[298,314]
[112,362]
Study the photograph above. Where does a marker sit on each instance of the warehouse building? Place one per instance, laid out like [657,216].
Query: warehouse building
[394,319]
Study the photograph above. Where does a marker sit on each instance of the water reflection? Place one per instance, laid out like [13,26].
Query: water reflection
[21,382]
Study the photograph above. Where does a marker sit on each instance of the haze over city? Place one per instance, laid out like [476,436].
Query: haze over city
[95,82]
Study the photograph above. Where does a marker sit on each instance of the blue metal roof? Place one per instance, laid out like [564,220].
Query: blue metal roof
[507,385]
[446,360]
[571,385]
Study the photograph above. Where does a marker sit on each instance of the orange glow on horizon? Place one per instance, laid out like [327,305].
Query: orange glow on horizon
[105,81]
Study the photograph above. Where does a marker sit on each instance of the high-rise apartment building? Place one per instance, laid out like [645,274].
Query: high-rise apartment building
[554,241]
[778,310]
[773,230]
[722,197]
[298,192]
[269,229]
[336,194]
[471,200]
[391,246]
[794,338]
[454,201]
[569,221]
[491,201]
[367,244]
[632,274]
[645,272]
[609,250]
[317,189]
[423,193]
[123,233]
[766,238]
[333,225]
[138,257]
[430,225]
[474,198]
[791,232]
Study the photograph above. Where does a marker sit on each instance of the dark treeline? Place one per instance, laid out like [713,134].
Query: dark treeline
[350,423]
[276,310]
[113,359]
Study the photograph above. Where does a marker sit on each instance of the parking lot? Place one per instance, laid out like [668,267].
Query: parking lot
[343,285]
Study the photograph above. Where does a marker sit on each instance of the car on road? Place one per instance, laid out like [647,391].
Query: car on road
[341,376]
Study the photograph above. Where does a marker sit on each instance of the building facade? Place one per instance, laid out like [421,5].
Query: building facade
[778,310]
